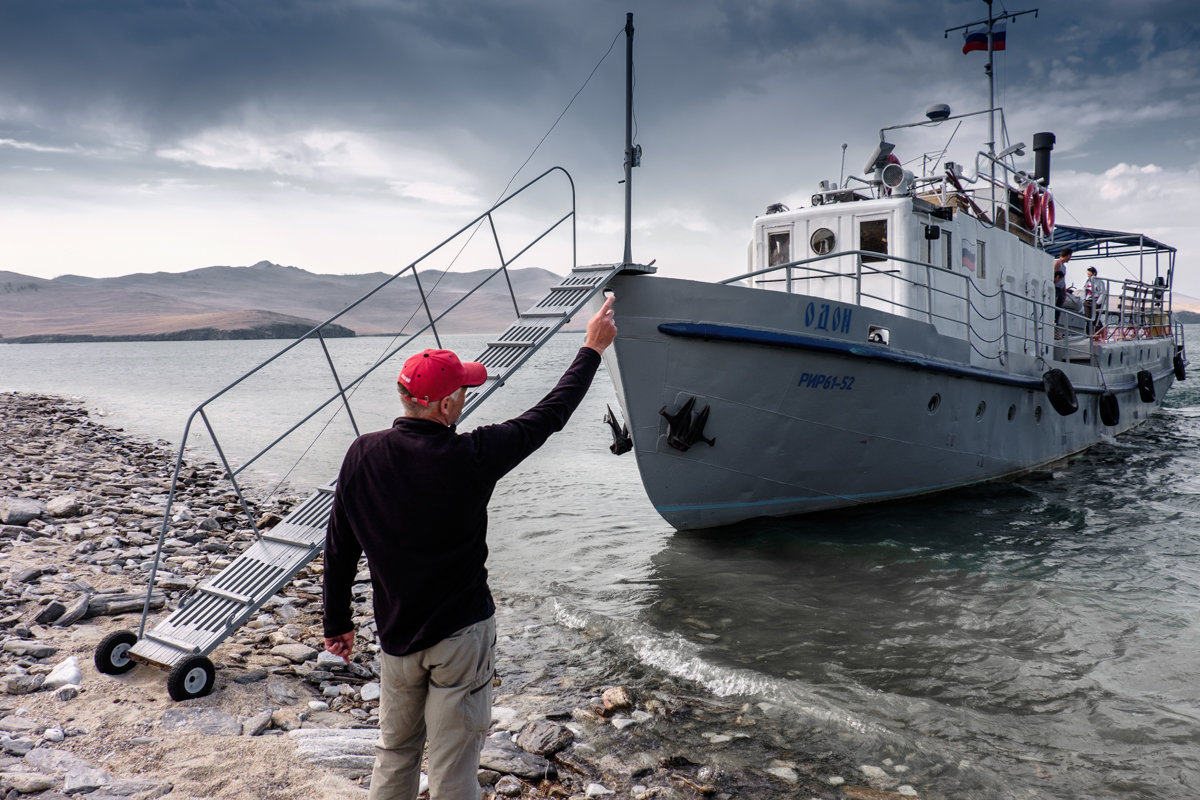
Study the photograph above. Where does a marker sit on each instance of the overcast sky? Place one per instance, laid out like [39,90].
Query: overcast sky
[349,136]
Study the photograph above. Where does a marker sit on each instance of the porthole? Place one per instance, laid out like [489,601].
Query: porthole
[1012,413]
[934,402]
[1085,416]
[1110,359]
[822,241]
[979,409]
[1037,414]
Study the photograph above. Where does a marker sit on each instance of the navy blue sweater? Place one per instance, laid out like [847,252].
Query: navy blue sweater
[414,499]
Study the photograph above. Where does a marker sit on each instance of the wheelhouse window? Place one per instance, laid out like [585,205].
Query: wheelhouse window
[779,248]
[981,260]
[947,250]
[872,236]
[822,241]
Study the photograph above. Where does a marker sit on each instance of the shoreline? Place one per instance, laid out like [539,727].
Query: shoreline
[575,714]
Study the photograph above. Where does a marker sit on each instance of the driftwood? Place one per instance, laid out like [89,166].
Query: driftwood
[106,605]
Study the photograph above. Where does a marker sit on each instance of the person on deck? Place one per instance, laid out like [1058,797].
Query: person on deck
[1093,291]
[1060,298]
[414,499]
[1060,263]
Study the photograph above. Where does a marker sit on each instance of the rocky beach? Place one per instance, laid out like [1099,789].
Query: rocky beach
[81,508]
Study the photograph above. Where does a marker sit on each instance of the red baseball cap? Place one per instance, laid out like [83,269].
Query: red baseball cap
[433,374]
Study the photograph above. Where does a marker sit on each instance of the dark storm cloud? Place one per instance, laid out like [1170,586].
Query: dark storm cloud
[172,67]
[438,103]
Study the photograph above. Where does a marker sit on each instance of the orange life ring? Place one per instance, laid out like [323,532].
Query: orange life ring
[1031,205]
[1047,214]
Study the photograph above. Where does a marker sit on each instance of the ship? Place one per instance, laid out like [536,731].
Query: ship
[899,336]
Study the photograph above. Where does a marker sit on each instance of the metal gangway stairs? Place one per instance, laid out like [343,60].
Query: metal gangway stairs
[218,606]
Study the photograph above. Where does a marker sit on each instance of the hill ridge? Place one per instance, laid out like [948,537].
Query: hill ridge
[252,298]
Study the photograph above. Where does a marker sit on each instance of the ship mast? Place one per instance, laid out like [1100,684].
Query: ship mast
[633,156]
[990,22]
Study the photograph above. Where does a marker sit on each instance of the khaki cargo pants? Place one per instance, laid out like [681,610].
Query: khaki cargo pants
[444,692]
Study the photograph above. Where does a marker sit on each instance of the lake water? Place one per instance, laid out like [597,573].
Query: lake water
[1031,639]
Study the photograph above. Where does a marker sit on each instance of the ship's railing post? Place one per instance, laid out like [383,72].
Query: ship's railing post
[1003,353]
[1038,318]
[929,293]
[967,300]
[858,280]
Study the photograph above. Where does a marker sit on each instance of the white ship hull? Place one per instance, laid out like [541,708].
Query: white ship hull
[806,414]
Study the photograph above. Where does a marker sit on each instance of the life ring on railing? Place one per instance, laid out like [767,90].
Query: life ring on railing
[1180,371]
[1145,383]
[1110,409]
[1031,205]
[1060,392]
[1047,214]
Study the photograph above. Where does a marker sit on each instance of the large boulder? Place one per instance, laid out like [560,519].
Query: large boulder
[20,511]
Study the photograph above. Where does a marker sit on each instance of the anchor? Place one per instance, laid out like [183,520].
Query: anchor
[684,430]
[622,442]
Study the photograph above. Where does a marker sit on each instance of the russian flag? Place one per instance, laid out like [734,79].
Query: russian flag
[978,40]
[974,40]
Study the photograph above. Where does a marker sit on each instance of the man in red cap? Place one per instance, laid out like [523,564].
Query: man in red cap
[414,499]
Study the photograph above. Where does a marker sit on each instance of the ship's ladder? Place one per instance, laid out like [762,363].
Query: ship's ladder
[221,604]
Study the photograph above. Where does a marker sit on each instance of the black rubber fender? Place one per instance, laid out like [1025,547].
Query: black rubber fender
[1060,392]
[1110,409]
[1145,383]
[1180,371]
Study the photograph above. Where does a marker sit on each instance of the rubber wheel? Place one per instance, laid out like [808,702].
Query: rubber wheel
[192,677]
[112,654]
[1180,370]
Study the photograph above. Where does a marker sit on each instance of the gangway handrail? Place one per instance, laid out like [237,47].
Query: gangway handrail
[341,393]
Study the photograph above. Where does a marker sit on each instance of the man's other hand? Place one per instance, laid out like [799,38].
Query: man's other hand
[341,646]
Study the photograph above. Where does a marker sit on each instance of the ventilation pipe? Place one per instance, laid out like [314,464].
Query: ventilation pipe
[1043,143]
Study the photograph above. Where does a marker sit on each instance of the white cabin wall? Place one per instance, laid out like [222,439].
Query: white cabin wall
[1021,269]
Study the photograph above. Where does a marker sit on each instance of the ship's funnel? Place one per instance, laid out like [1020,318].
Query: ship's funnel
[1043,143]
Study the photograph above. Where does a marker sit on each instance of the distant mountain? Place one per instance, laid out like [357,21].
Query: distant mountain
[261,301]
[1181,302]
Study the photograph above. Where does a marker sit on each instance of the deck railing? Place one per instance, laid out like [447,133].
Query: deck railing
[994,324]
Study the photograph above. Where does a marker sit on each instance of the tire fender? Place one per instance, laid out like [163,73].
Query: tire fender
[1110,409]
[1145,383]
[1060,392]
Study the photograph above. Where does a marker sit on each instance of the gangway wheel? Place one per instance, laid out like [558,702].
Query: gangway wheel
[192,677]
[112,654]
